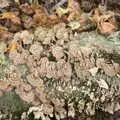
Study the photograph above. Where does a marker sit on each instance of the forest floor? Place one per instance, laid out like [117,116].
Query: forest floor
[59,60]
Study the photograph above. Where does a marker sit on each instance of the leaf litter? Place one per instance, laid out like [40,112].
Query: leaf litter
[61,57]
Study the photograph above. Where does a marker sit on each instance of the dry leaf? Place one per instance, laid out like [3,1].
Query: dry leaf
[5,3]
[73,10]
[61,11]
[107,28]
[16,20]
[27,9]
[73,5]
[4,35]
[96,15]
[3,29]
[6,15]
[17,1]
[93,71]
[27,22]
[53,19]
[109,108]
[106,23]
[45,20]
[12,16]
[74,16]
[74,25]
[11,46]
[102,84]
[40,19]
[38,9]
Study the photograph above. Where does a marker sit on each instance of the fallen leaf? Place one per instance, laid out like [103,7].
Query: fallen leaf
[16,20]
[3,29]
[118,75]
[5,35]
[53,19]
[107,28]
[6,15]
[11,47]
[102,84]
[74,16]
[106,23]
[109,107]
[93,71]
[27,9]
[96,15]
[12,16]
[62,11]
[37,9]
[117,106]
[40,19]
[73,9]
[46,20]
[74,25]
[17,1]
[27,22]
[73,5]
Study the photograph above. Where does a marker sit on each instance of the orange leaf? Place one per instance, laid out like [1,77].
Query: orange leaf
[105,22]
[3,29]
[5,35]
[11,46]
[7,15]
[40,19]
[107,27]
[53,19]
[10,15]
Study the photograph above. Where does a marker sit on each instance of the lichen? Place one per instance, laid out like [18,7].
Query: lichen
[64,72]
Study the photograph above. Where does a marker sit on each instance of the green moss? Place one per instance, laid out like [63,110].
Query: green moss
[3,59]
[11,102]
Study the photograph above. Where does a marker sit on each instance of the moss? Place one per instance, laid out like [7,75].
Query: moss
[3,59]
[11,102]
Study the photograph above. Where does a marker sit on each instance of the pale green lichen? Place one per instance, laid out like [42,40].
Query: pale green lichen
[3,59]
[11,104]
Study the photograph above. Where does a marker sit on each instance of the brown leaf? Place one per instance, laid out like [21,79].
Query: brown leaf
[106,28]
[53,19]
[12,16]
[16,20]
[40,19]
[27,9]
[45,20]
[6,15]
[96,15]
[73,10]
[27,22]
[105,21]
[11,46]
[38,9]
[4,35]
[14,28]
